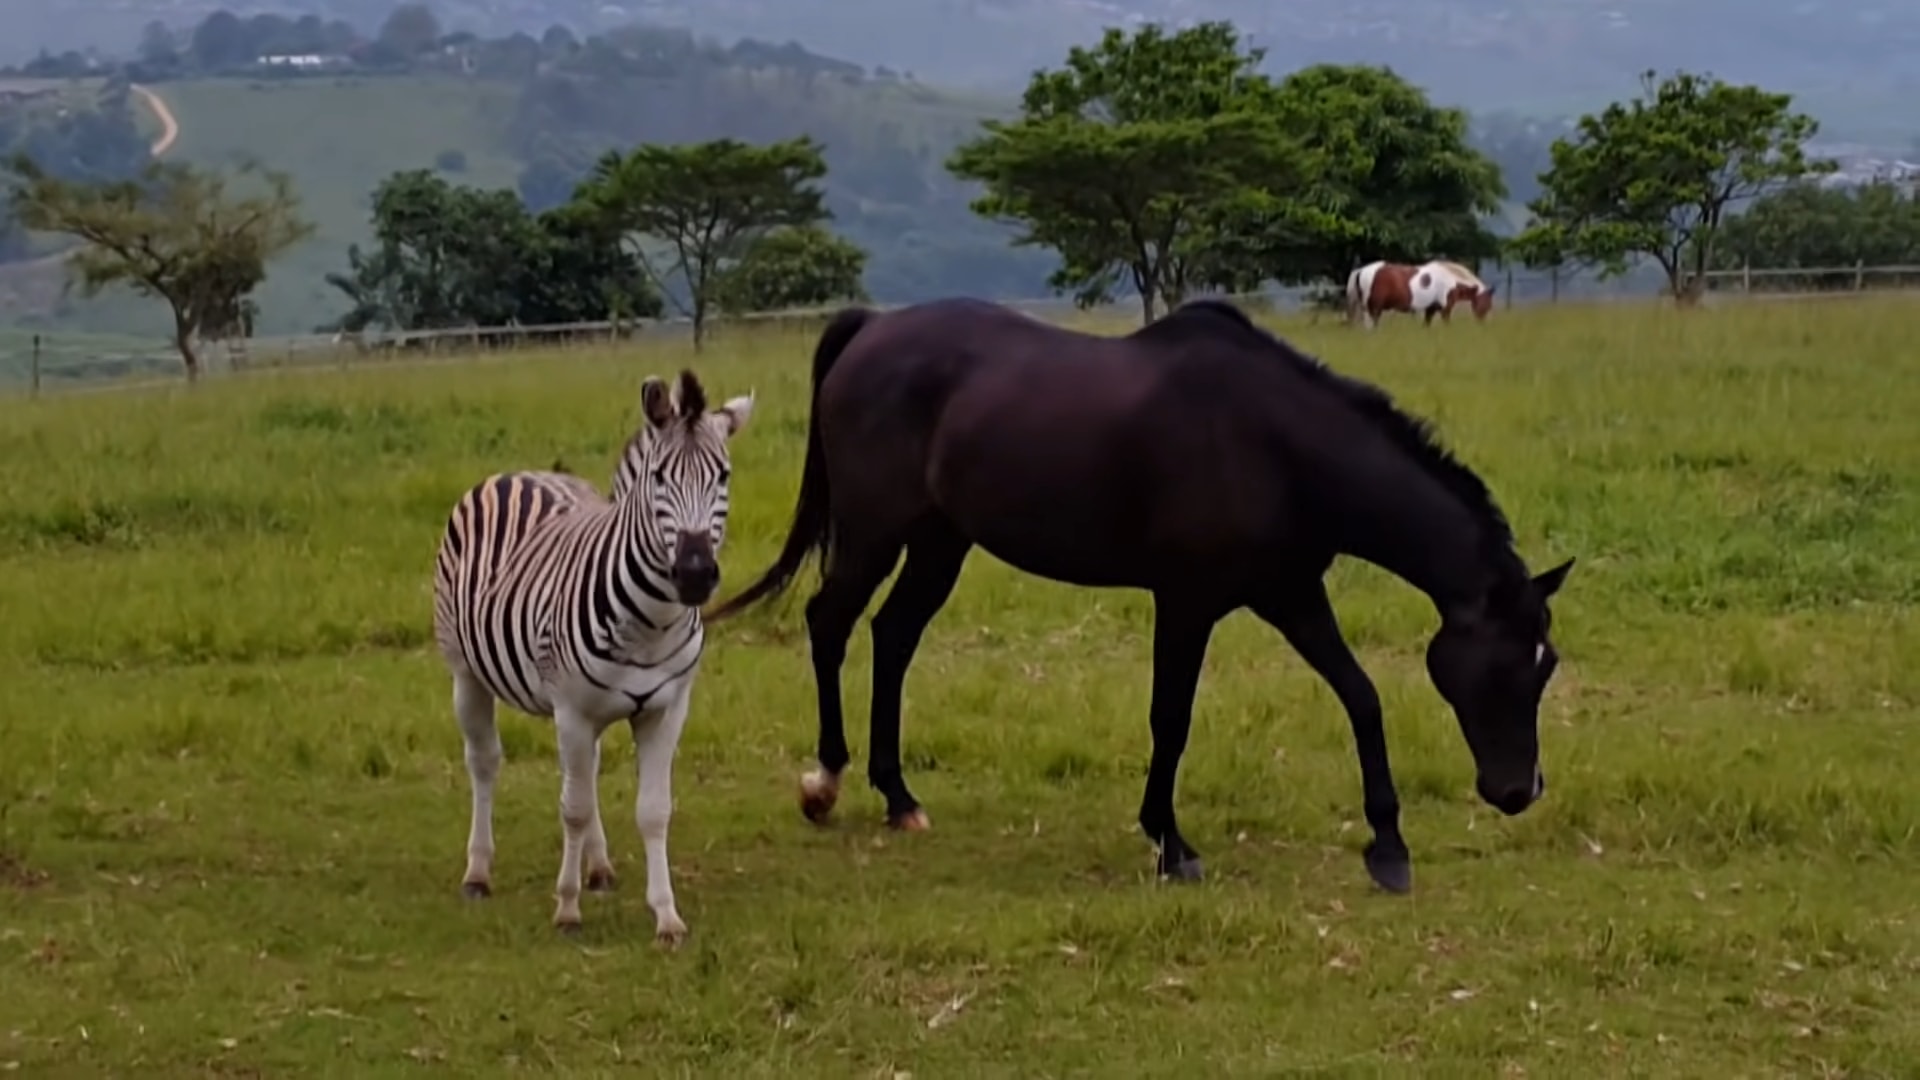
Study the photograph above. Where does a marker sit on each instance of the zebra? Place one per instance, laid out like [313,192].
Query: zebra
[586,609]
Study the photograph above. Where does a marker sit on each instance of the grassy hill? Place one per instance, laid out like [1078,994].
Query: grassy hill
[339,137]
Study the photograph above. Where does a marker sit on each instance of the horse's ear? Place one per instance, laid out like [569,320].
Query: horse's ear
[656,402]
[1549,582]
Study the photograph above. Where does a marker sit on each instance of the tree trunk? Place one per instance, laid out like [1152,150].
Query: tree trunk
[699,324]
[1146,305]
[183,341]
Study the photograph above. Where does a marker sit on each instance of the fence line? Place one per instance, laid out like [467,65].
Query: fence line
[53,362]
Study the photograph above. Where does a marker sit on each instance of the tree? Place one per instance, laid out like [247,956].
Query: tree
[795,268]
[1396,178]
[158,46]
[410,30]
[706,204]
[1656,177]
[461,256]
[1807,225]
[173,232]
[1128,160]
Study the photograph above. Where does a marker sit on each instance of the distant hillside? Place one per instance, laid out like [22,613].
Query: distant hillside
[1856,63]
[533,115]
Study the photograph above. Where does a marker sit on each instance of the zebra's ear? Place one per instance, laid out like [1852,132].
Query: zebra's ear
[735,413]
[656,402]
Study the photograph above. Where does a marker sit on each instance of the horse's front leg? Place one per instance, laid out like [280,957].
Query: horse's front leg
[1305,618]
[1180,636]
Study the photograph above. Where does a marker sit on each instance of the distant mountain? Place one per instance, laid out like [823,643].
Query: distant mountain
[1858,64]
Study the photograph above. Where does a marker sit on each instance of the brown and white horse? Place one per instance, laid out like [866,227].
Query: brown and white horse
[1429,289]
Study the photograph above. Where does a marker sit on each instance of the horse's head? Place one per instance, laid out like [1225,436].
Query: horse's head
[1483,302]
[1491,661]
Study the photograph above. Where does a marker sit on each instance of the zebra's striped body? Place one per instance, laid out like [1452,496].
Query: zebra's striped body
[561,603]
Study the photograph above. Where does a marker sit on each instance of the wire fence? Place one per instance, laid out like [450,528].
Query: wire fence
[36,361]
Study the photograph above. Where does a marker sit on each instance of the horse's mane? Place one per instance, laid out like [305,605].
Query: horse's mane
[1413,435]
[1460,272]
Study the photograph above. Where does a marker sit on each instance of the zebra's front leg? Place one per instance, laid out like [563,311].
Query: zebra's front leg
[577,741]
[473,709]
[656,737]
[599,864]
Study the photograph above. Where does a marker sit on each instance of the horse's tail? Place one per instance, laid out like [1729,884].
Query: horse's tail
[812,522]
[1354,299]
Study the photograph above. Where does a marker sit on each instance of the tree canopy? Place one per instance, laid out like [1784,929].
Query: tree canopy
[692,211]
[1167,160]
[174,232]
[801,267]
[1656,177]
[1128,159]
[447,256]
[1822,228]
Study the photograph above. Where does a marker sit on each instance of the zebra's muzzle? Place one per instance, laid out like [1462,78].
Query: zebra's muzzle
[696,574]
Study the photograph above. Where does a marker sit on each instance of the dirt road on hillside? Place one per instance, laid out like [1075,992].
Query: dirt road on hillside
[169,133]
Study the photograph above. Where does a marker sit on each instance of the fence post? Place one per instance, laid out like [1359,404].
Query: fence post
[1509,286]
[1746,275]
[1859,275]
[36,366]
[1553,284]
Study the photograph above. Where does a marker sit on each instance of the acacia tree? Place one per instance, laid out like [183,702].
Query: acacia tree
[1126,160]
[172,232]
[705,204]
[1655,177]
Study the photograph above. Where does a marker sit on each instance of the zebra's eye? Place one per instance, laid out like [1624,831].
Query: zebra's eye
[726,475]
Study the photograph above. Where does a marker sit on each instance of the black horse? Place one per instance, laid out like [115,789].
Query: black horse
[1199,458]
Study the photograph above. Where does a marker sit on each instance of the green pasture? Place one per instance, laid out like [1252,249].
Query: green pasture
[233,809]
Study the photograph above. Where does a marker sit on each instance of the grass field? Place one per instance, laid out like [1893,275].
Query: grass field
[233,810]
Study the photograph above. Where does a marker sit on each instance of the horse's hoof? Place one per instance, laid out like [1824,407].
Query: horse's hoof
[1184,870]
[914,820]
[476,890]
[819,791]
[600,881]
[1392,872]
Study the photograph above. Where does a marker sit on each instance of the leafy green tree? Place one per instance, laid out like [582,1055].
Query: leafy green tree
[448,255]
[800,267]
[1656,177]
[174,232]
[410,30]
[1128,159]
[1819,228]
[1396,177]
[703,205]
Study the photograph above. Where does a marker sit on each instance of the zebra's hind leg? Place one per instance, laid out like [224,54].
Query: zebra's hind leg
[656,737]
[473,708]
[599,864]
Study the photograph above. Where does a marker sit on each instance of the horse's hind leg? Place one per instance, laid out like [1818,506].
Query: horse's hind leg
[855,568]
[934,558]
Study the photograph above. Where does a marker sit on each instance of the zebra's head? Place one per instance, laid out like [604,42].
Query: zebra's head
[679,464]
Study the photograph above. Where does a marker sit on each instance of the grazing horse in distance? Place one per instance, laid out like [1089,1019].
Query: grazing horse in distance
[1430,289]
[1457,283]
[1198,458]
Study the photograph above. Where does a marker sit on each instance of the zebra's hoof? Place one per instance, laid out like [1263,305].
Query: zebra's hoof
[601,881]
[476,890]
